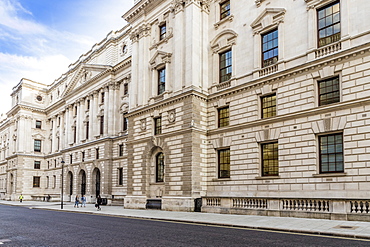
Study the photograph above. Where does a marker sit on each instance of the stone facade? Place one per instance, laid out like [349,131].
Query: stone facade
[170,73]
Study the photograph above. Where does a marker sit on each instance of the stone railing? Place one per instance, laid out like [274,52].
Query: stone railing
[223,85]
[213,202]
[326,50]
[249,203]
[338,209]
[268,70]
[306,205]
[360,206]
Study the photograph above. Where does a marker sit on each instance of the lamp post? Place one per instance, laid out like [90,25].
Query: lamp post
[61,197]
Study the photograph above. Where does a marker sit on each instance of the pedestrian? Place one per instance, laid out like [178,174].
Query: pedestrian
[98,203]
[48,198]
[83,201]
[76,201]
[21,198]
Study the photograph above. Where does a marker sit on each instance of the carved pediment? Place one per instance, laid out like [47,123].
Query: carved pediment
[317,3]
[84,73]
[38,136]
[268,18]
[224,39]
[160,58]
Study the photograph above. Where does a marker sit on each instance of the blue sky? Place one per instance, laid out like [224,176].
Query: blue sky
[40,38]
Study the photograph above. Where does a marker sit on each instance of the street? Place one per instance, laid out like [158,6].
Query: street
[21,226]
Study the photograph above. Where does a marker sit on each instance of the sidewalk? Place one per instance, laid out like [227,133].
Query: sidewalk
[352,229]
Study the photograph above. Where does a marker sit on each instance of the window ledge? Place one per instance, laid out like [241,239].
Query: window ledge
[221,179]
[162,41]
[157,183]
[229,18]
[267,177]
[334,174]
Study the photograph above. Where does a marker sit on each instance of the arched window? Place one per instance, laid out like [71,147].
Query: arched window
[159,161]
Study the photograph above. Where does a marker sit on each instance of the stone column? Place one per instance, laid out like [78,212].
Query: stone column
[91,116]
[62,131]
[312,33]
[168,86]
[281,45]
[115,109]
[110,118]
[77,126]
[94,119]
[81,119]
[135,73]
[107,95]
[345,19]
[257,51]
[154,82]
[70,130]
[53,134]
[67,126]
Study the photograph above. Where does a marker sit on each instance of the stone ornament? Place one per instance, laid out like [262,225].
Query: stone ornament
[172,116]
[39,99]
[143,124]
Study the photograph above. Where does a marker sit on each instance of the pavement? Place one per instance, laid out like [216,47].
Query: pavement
[349,229]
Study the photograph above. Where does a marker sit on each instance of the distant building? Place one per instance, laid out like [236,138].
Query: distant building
[247,107]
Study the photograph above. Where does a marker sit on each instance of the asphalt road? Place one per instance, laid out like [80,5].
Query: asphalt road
[21,226]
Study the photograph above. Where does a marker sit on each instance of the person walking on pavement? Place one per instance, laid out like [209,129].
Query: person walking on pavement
[76,201]
[98,203]
[21,198]
[83,201]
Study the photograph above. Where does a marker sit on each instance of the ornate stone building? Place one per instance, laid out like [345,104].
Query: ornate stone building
[248,107]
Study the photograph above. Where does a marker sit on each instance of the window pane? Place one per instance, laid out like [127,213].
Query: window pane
[329,24]
[270,159]
[157,125]
[329,91]
[331,153]
[160,167]
[223,117]
[161,80]
[336,8]
[225,66]
[224,9]
[268,106]
[224,163]
[270,44]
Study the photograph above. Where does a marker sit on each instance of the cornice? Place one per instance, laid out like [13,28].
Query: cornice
[85,145]
[139,9]
[166,102]
[19,107]
[182,131]
[285,74]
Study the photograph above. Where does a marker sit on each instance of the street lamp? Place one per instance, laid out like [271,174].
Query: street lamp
[61,197]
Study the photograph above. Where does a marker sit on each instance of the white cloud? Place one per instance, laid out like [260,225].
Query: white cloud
[40,52]
[45,69]
[11,11]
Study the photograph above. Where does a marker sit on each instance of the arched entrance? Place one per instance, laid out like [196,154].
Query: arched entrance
[96,181]
[156,178]
[83,182]
[70,183]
